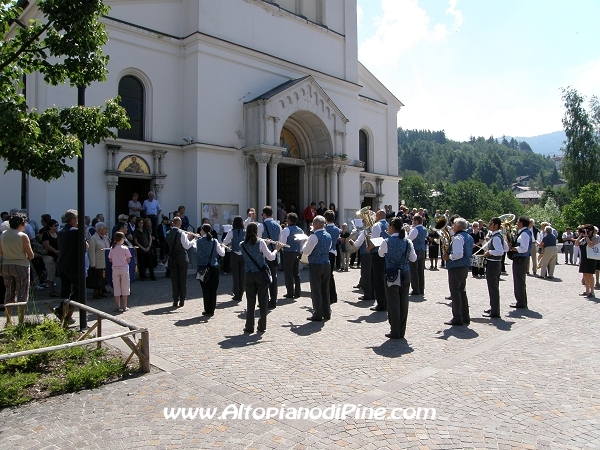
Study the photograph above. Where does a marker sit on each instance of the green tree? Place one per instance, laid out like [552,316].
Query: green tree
[415,192]
[550,213]
[581,164]
[585,208]
[65,46]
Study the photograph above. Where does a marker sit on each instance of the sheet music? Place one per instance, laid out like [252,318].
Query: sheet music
[301,237]
[377,241]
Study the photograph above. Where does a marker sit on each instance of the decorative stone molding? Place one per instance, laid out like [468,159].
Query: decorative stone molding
[262,158]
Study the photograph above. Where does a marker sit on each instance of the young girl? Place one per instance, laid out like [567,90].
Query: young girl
[120,256]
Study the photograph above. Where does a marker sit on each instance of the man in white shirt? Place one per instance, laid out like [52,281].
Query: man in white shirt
[251,217]
[494,267]
[152,209]
[520,259]
[178,243]
[568,241]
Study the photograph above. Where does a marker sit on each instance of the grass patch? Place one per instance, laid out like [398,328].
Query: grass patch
[38,376]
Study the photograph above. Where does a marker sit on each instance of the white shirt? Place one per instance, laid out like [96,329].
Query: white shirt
[311,242]
[498,244]
[152,208]
[270,255]
[458,244]
[228,239]
[523,241]
[189,244]
[361,238]
[376,230]
[412,256]
[247,221]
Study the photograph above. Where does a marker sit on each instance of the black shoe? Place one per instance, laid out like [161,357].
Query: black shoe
[153,278]
[451,322]
[288,296]
[364,298]
[414,293]
[489,314]
[325,319]
[204,313]
[516,305]
[357,286]
[261,330]
[331,302]
[377,308]
[174,303]
[392,336]
[297,296]
[448,298]
[247,330]
[181,303]
[467,323]
[272,305]
[314,319]
[487,311]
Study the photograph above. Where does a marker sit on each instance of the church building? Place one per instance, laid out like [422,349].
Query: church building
[233,104]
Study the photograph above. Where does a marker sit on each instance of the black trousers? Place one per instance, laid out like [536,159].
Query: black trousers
[417,273]
[397,305]
[319,289]
[457,281]
[378,280]
[493,283]
[291,273]
[255,284]
[179,268]
[238,272]
[144,262]
[332,290]
[365,275]
[69,288]
[519,270]
[209,290]
[273,286]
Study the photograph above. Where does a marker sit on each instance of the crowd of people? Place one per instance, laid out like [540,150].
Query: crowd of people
[390,249]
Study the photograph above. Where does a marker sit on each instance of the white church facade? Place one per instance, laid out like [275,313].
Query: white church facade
[233,104]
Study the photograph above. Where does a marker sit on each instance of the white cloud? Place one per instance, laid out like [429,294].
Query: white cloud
[403,25]
[458,17]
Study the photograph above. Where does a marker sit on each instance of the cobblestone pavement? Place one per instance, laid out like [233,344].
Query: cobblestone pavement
[528,380]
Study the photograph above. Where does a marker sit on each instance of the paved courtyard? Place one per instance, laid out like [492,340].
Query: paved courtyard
[528,380]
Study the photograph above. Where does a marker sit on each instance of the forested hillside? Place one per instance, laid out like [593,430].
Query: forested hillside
[492,161]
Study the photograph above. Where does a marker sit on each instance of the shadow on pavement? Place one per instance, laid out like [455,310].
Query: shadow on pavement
[449,304]
[393,348]
[521,312]
[227,304]
[160,311]
[361,303]
[305,329]
[458,332]
[191,321]
[501,324]
[375,317]
[241,340]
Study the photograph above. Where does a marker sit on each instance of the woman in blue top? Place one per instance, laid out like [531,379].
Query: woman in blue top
[235,237]
[208,250]
[254,251]
[550,253]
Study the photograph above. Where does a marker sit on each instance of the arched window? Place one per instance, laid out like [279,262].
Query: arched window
[363,148]
[131,91]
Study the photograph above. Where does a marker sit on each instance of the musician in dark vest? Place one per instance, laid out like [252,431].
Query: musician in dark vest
[270,229]
[178,243]
[493,256]
[334,232]
[397,252]
[317,248]
[380,229]
[522,247]
[458,262]
[291,256]
[418,236]
[233,239]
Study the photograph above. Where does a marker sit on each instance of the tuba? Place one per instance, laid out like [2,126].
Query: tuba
[508,227]
[440,225]
[369,219]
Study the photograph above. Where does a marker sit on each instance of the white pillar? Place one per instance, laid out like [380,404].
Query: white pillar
[111,184]
[341,204]
[275,160]
[333,181]
[262,160]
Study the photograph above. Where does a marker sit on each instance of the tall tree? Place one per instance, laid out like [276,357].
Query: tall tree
[65,46]
[581,163]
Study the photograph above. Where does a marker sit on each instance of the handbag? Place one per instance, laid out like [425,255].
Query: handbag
[38,248]
[264,270]
[203,274]
[593,252]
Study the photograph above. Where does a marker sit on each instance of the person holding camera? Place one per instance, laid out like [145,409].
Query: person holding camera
[587,267]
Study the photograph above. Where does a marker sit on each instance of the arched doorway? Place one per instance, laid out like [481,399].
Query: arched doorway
[124,191]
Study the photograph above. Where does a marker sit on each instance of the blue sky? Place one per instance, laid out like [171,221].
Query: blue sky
[481,67]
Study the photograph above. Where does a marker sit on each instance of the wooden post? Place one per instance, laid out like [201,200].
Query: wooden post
[145,362]
[99,333]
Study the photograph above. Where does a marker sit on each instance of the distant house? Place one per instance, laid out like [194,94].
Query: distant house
[529,197]
[524,180]
[561,182]
[557,161]
[516,188]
